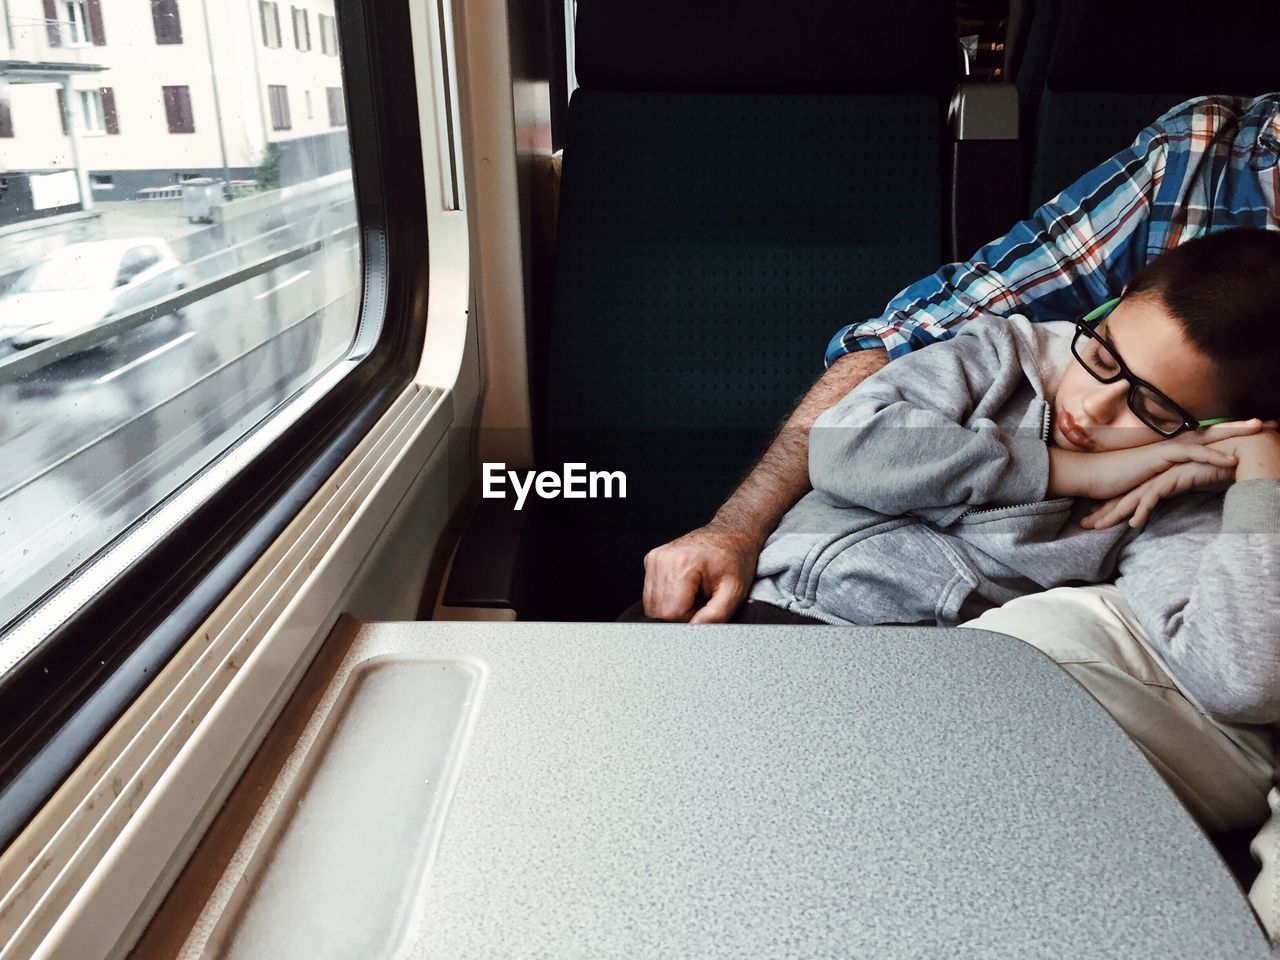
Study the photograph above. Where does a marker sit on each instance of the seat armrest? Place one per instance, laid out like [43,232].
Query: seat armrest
[485,565]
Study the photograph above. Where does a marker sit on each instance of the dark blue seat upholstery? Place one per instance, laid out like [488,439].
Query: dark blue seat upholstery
[740,180]
[1095,72]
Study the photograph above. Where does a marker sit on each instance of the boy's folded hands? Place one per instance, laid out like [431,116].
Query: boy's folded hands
[1132,482]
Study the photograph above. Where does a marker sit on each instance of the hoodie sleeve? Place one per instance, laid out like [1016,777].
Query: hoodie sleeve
[919,434]
[1209,604]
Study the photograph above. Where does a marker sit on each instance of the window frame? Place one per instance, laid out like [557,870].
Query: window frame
[63,695]
[272,6]
[305,33]
[278,107]
[84,115]
[76,20]
[325,26]
[333,97]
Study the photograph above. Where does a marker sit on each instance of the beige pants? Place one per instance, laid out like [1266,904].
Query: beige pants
[1221,771]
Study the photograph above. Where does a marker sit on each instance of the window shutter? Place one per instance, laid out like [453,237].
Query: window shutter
[51,23]
[177,109]
[6,119]
[164,16]
[95,23]
[171,109]
[62,110]
[109,117]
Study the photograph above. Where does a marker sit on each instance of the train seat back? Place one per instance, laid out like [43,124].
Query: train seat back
[739,180]
[1095,72]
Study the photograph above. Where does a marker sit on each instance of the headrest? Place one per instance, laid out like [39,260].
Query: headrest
[1134,46]
[767,46]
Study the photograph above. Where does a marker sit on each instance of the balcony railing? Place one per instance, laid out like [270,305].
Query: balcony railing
[28,46]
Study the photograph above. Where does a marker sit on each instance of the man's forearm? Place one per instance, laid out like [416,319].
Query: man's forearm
[781,476]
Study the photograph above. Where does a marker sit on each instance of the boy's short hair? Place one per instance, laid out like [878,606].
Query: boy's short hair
[1224,288]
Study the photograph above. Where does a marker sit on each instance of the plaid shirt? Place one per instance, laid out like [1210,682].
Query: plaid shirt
[1207,164]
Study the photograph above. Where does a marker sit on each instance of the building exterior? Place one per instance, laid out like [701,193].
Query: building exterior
[136,96]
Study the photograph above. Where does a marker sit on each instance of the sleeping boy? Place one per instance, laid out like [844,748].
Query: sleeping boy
[964,480]
[958,478]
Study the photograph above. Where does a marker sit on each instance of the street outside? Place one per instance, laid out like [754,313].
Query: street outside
[93,441]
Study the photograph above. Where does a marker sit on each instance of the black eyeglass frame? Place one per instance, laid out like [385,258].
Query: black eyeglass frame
[1135,383]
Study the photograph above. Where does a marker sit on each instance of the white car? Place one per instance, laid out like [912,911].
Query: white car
[82,285]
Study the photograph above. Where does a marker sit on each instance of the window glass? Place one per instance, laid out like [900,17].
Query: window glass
[177,263]
[77,22]
[91,119]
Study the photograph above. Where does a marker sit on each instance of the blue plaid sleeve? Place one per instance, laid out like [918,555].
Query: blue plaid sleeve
[1082,246]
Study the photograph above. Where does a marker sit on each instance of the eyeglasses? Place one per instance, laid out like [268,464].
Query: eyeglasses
[1147,403]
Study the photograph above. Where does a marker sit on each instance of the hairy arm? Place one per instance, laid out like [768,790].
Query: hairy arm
[718,560]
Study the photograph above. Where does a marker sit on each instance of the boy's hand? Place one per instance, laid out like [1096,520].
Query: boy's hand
[1137,504]
[1257,455]
[1114,473]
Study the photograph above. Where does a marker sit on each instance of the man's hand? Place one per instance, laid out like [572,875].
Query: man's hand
[719,559]
[712,561]
[1114,473]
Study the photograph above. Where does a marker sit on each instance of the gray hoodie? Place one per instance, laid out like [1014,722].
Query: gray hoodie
[929,505]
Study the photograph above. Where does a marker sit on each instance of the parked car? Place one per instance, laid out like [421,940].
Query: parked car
[83,285]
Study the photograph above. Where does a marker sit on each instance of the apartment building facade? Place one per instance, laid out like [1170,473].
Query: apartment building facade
[139,95]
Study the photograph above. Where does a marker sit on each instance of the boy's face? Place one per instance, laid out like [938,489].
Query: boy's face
[1094,417]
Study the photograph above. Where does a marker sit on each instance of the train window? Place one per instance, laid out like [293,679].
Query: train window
[161,297]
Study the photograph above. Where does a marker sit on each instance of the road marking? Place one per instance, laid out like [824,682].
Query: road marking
[280,286]
[145,357]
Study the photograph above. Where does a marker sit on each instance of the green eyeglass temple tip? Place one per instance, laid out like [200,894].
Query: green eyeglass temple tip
[1201,424]
[1103,310]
